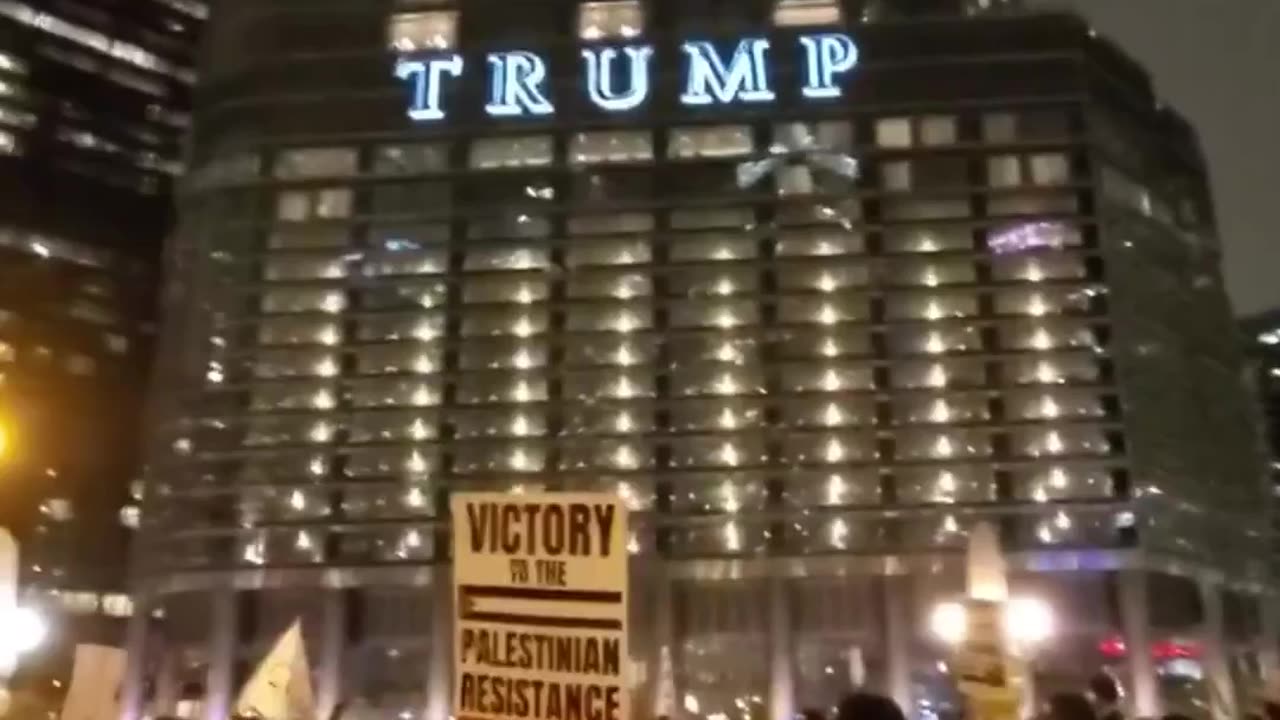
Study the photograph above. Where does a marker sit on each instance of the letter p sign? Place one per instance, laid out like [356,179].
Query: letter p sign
[826,56]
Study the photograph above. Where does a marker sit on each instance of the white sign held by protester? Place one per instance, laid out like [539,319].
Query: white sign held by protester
[540,584]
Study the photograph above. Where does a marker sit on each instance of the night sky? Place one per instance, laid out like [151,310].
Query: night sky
[1218,63]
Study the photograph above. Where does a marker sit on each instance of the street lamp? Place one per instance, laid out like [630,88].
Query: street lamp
[1028,622]
[22,629]
[949,622]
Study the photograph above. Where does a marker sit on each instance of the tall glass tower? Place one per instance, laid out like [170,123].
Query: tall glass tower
[843,280]
[95,100]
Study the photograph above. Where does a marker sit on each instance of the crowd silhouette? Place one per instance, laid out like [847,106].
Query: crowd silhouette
[1101,700]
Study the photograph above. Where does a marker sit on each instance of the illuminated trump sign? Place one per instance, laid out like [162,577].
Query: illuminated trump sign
[618,78]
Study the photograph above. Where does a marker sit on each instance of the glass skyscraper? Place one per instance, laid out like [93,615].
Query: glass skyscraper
[94,104]
[811,337]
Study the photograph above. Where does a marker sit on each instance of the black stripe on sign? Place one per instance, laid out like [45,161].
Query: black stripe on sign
[526,593]
[544,621]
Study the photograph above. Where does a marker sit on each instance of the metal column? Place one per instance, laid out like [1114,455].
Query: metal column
[168,684]
[1136,624]
[224,631]
[132,688]
[897,639]
[782,690]
[1222,691]
[440,660]
[662,651]
[333,641]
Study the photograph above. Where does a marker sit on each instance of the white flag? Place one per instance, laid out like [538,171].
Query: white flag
[280,687]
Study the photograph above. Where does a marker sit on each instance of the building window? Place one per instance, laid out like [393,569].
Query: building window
[57,509]
[315,162]
[1049,169]
[81,365]
[904,132]
[1017,170]
[302,205]
[410,159]
[9,144]
[608,147]
[512,152]
[896,175]
[12,64]
[117,605]
[893,132]
[79,603]
[116,344]
[617,18]
[19,118]
[130,516]
[926,173]
[715,141]
[938,130]
[1027,125]
[435,29]
[1000,127]
[806,12]
[1004,171]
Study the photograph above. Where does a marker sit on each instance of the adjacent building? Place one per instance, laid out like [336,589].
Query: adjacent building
[813,285]
[1261,334]
[94,104]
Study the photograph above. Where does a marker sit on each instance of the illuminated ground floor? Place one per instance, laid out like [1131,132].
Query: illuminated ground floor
[743,640]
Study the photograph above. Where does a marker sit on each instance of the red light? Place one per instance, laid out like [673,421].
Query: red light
[1172,650]
[1114,647]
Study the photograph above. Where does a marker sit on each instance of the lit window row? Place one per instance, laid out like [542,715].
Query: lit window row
[16,118]
[9,143]
[730,492]
[710,247]
[713,309]
[814,535]
[308,545]
[408,242]
[114,47]
[940,338]
[311,502]
[88,603]
[733,451]
[54,248]
[434,199]
[733,536]
[735,409]
[706,141]
[596,20]
[910,374]
[12,64]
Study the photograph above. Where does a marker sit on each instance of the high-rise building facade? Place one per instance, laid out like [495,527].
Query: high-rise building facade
[94,103]
[813,285]
[1261,333]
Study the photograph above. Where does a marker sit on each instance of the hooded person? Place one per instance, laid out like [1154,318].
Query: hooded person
[868,706]
[1106,696]
[1070,706]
